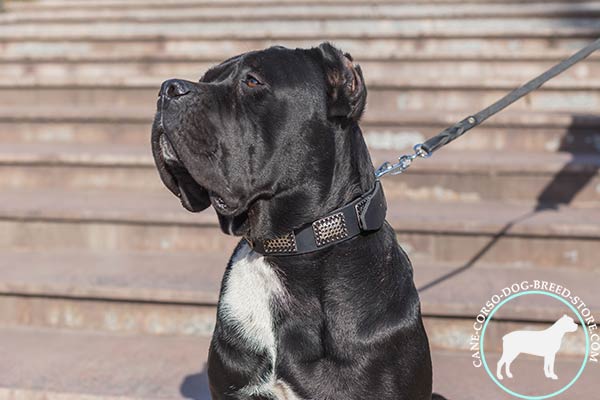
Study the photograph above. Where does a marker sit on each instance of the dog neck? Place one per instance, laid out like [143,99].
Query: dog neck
[363,215]
[350,181]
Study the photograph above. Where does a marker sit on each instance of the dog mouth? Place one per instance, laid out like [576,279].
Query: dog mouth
[178,180]
[194,197]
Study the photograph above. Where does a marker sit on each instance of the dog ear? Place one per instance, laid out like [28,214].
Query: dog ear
[346,90]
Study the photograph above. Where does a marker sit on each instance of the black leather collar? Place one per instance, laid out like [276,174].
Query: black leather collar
[365,214]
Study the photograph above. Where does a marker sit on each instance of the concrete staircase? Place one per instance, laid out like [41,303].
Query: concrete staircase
[108,287]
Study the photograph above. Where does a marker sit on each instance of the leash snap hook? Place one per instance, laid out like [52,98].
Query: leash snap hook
[383,169]
[403,163]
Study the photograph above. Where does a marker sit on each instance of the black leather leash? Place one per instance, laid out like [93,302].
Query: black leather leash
[424,150]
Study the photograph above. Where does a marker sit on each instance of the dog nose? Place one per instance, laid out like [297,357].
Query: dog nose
[175,88]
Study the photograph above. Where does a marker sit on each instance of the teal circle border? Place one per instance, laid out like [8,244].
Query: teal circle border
[583,364]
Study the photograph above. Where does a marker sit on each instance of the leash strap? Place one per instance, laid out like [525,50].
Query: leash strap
[365,214]
[449,134]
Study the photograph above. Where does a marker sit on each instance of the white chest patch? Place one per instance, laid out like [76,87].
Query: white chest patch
[247,303]
[252,291]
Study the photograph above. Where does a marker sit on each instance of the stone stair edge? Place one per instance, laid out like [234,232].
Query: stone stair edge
[405,57]
[397,11]
[415,217]
[194,278]
[508,118]
[422,46]
[565,33]
[236,3]
[146,84]
[409,75]
[586,37]
[459,161]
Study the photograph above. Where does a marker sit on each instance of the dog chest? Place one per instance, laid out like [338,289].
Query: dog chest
[251,291]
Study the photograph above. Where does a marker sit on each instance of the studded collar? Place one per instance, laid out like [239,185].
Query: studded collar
[364,214]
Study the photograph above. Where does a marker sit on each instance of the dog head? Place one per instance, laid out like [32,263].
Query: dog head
[261,136]
[567,324]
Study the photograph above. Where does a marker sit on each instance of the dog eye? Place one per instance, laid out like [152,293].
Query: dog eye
[251,81]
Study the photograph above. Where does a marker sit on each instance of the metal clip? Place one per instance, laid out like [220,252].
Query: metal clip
[403,163]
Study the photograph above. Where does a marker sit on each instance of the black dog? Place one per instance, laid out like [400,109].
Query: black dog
[271,140]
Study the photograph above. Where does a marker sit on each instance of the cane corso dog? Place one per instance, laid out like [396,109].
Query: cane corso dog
[307,310]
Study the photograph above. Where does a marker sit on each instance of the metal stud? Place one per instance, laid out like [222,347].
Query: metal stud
[330,229]
[282,244]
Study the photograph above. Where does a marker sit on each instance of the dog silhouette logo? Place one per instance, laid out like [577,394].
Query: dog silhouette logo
[544,343]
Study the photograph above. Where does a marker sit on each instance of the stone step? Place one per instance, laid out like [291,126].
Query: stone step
[53,364]
[147,367]
[452,297]
[205,13]
[122,292]
[391,74]
[537,179]
[126,220]
[526,177]
[457,379]
[384,101]
[412,98]
[507,131]
[309,28]
[133,293]
[76,166]
[425,48]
